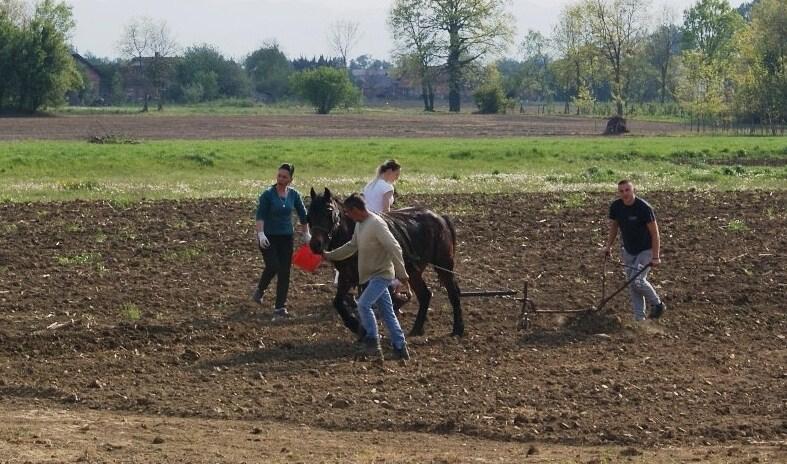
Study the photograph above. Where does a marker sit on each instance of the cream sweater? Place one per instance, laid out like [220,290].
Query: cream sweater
[379,254]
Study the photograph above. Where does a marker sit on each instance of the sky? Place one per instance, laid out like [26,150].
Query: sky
[238,27]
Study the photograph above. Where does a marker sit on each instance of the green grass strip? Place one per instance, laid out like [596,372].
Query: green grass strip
[46,171]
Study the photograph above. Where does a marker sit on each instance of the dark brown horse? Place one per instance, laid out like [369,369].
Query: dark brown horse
[425,237]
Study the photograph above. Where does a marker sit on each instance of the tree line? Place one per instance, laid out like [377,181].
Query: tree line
[38,67]
[718,65]
[715,64]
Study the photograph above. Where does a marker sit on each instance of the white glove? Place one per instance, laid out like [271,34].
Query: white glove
[263,240]
[307,236]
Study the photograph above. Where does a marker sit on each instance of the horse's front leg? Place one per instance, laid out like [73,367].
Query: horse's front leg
[339,302]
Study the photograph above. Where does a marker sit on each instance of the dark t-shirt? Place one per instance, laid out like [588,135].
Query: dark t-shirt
[632,221]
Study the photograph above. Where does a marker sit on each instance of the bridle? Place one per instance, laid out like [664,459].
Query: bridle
[334,227]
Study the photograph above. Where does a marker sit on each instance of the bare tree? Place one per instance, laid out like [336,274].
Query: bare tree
[144,37]
[163,45]
[618,27]
[134,41]
[343,35]
[161,40]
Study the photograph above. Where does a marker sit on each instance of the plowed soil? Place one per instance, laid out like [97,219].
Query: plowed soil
[128,329]
[151,127]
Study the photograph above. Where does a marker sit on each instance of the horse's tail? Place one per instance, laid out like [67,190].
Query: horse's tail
[451,228]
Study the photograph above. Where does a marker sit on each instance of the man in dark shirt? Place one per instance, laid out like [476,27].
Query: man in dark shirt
[641,245]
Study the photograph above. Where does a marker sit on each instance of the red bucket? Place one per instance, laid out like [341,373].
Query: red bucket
[304,259]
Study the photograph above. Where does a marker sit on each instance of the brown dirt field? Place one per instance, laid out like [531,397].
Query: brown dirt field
[151,127]
[82,378]
[103,436]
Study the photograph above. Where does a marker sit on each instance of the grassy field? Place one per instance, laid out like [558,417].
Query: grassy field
[45,171]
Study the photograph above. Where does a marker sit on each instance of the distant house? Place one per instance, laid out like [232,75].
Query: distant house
[382,85]
[93,91]
[378,84]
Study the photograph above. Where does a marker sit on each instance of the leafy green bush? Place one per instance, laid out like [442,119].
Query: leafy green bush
[193,93]
[491,96]
[490,100]
[325,88]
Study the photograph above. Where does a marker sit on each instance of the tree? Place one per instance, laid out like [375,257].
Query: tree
[44,68]
[745,9]
[642,79]
[535,73]
[343,36]
[325,88]
[8,38]
[162,46]
[15,11]
[417,44]
[369,62]
[703,90]
[709,27]
[762,73]
[511,76]
[474,29]
[584,100]
[570,38]
[617,27]
[135,38]
[217,76]
[662,46]
[144,36]
[269,70]
[302,63]
[490,96]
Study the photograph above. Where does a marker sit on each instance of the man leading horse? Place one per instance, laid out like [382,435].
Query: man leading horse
[380,263]
[424,237]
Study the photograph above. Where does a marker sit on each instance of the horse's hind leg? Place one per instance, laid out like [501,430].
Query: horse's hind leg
[449,282]
[424,296]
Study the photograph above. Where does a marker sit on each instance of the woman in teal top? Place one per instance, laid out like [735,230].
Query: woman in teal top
[274,235]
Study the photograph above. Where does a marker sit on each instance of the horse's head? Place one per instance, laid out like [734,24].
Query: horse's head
[325,218]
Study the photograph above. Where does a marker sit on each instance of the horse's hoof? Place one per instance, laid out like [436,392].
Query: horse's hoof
[416,333]
[458,332]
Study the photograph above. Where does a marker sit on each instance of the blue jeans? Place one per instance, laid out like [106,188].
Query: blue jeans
[376,292]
